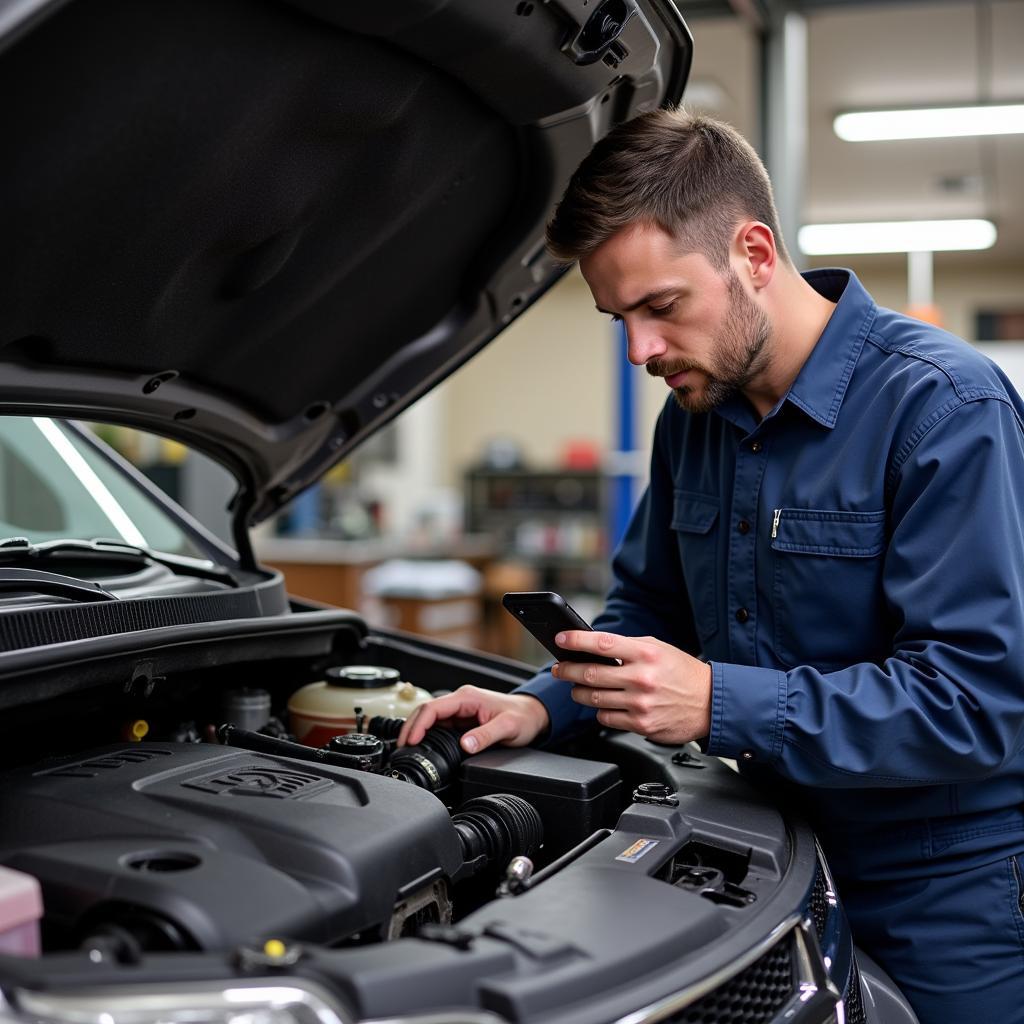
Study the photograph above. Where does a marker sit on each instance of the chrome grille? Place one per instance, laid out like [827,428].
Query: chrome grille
[854,1004]
[754,996]
[820,905]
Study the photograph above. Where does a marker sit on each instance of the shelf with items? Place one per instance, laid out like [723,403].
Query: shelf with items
[542,516]
[551,522]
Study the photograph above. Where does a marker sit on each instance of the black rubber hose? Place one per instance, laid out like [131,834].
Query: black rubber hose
[430,764]
[385,728]
[493,829]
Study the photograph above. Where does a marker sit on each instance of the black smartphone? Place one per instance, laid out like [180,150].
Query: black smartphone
[546,615]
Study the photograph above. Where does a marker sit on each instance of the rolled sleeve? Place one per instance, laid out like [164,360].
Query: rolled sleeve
[748,712]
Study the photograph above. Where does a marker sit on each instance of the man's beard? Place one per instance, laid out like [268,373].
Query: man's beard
[739,354]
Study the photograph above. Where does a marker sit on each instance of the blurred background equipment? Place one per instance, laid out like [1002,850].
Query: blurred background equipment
[440,598]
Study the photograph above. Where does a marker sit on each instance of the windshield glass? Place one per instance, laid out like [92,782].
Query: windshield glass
[55,484]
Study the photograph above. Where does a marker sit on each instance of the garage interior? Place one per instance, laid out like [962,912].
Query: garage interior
[273,748]
[519,472]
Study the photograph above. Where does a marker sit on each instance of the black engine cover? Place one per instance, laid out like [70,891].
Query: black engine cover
[225,846]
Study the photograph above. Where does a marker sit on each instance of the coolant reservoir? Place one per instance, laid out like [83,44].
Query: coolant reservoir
[324,709]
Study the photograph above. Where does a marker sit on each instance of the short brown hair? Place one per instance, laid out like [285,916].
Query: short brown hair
[693,176]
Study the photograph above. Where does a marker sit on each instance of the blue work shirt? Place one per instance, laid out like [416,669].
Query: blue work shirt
[852,566]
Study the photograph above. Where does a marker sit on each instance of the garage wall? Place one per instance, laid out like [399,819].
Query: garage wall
[547,381]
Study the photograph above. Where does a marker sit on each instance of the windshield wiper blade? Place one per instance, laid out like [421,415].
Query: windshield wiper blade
[18,550]
[38,582]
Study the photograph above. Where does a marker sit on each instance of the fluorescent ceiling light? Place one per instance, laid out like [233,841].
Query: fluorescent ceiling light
[931,122]
[896,236]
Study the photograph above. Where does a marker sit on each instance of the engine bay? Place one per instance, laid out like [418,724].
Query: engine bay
[161,842]
[169,816]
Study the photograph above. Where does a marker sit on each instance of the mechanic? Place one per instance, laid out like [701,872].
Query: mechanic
[825,577]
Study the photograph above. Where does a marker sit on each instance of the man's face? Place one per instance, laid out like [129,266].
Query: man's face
[685,321]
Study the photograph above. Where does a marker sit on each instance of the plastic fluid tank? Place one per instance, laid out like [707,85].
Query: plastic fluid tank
[327,708]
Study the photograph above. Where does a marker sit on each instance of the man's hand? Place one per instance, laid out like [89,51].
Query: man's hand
[514,719]
[658,691]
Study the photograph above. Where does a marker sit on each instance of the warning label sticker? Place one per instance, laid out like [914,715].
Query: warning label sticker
[633,853]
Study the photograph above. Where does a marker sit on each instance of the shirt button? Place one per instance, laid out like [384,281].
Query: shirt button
[747,755]
[742,615]
[743,526]
[756,446]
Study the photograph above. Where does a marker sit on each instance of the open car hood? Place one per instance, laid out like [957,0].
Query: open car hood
[265,227]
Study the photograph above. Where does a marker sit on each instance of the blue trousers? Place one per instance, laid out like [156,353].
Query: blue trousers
[953,943]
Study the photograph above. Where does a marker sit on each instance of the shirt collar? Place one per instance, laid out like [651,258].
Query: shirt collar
[821,384]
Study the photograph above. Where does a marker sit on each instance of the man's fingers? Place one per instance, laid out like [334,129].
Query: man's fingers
[503,726]
[615,720]
[417,724]
[451,705]
[589,674]
[608,645]
[494,717]
[597,697]
[403,733]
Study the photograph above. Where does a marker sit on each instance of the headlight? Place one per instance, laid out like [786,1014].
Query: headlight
[285,1001]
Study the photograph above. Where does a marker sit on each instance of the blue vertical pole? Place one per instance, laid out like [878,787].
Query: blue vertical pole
[623,482]
[304,513]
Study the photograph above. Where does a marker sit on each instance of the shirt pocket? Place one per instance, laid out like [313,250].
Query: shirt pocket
[694,521]
[827,599]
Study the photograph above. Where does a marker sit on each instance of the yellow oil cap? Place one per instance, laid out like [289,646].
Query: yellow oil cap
[274,948]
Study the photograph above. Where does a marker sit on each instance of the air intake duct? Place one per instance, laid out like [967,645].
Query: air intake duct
[494,829]
[430,764]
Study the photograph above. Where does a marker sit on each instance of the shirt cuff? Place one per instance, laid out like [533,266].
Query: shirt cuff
[748,712]
[563,711]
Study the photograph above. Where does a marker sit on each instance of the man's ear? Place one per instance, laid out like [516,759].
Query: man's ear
[754,247]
